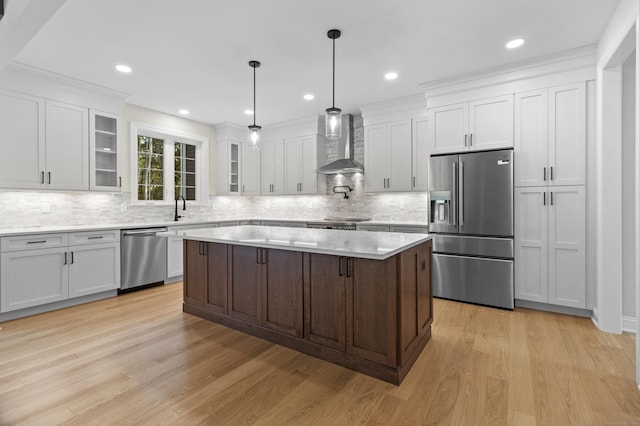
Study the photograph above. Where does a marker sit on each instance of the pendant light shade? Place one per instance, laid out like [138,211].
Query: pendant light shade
[333,118]
[254,129]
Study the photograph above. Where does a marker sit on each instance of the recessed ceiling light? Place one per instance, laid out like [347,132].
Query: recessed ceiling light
[515,43]
[391,75]
[308,97]
[248,112]
[123,68]
[184,111]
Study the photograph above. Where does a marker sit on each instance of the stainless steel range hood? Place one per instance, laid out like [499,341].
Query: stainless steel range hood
[345,145]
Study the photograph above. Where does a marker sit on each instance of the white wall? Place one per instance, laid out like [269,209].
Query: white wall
[132,113]
[612,50]
[628,193]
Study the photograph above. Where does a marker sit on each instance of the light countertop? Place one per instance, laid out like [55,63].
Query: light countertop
[7,232]
[362,244]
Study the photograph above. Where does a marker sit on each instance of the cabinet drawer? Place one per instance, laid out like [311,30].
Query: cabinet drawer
[31,242]
[94,237]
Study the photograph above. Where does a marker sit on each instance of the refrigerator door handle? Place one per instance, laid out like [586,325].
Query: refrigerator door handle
[454,198]
[461,194]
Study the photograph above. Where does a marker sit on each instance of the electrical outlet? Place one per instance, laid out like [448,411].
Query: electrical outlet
[123,207]
[46,208]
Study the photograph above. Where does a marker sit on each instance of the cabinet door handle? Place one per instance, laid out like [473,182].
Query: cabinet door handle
[264,256]
[120,181]
[348,269]
[551,203]
[340,266]
[205,249]
[544,173]
[41,177]
[72,258]
[544,198]
[258,253]
[99,237]
[470,139]
[37,242]
[465,140]
[243,188]
[413,182]
[551,173]
[49,177]
[388,182]
[65,258]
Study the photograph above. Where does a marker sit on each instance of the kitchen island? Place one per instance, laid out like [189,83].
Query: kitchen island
[355,298]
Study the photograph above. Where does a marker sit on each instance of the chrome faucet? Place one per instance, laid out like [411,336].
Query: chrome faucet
[184,207]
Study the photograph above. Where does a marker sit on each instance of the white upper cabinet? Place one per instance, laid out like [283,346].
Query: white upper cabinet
[449,129]
[103,152]
[550,136]
[567,134]
[301,162]
[272,154]
[491,123]
[67,142]
[477,125]
[420,154]
[387,157]
[250,171]
[531,138]
[22,141]
[229,168]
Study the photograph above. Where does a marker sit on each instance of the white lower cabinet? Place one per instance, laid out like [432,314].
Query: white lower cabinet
[40,269]
[93,268]
[33,277]
[550,263]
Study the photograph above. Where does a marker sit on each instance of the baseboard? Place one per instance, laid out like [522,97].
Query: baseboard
[34,310]
[594,318]
[629,324]
[587,313]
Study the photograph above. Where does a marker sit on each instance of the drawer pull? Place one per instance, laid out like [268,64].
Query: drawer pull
[96,238]
[37,242]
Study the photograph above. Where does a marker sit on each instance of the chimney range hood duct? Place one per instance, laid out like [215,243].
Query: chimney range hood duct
[345,145]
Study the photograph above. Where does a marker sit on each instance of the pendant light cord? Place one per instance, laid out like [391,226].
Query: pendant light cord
[333,100]
[254,95]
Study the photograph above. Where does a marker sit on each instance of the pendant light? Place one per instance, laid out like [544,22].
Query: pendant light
[333,119]
[254,130]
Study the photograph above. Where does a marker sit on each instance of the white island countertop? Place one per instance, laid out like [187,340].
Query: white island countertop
[362,244]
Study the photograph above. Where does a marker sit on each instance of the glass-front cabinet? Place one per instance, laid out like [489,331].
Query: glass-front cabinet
[104,152]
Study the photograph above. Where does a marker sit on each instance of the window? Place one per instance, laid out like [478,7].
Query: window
[169,164]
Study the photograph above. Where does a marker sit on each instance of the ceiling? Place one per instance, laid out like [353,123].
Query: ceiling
[194,54]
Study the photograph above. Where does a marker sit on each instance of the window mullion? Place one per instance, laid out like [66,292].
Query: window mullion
[169,172]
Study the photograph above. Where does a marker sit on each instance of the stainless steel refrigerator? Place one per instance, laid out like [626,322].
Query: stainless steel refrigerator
[471,219]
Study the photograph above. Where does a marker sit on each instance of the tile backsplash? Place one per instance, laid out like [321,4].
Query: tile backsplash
[26,209]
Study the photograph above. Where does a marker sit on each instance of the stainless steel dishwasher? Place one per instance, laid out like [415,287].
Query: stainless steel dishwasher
[143,257]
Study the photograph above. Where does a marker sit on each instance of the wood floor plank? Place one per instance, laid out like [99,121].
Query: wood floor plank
[137,359]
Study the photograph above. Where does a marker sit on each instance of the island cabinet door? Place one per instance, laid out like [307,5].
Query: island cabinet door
[324,300]
[195,272]
[371,309]
[282,291]
[245,282]
[414,303]
[217,267]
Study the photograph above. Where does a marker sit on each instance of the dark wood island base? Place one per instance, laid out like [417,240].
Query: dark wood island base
[371,316]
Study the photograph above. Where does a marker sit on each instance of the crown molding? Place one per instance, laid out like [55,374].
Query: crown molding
[65,80]
[569,60]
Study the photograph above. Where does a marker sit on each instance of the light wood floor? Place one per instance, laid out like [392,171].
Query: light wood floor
[137,359]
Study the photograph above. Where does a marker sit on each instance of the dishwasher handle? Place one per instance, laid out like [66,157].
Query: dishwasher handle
[146,231]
